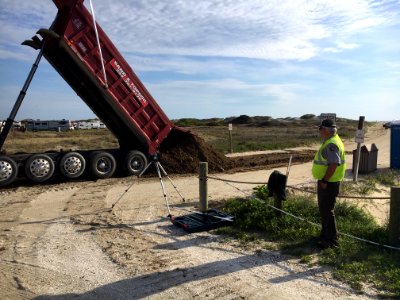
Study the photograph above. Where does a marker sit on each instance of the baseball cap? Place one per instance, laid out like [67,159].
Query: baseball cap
[328,123]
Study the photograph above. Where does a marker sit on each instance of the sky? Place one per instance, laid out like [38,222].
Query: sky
[222,58]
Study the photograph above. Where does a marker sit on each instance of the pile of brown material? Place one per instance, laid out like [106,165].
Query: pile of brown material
[181,152]
[271,160]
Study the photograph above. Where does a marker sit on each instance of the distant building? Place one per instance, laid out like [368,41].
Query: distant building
[16,125]
[90,125]
[49,125]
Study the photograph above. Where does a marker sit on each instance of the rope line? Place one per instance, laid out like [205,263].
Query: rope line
[228,182]
[98,45]
[296,188]
[234,181]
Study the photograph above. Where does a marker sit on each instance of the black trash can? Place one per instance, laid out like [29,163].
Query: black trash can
[368,159]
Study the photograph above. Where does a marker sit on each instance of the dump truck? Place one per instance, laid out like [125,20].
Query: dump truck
[81,52]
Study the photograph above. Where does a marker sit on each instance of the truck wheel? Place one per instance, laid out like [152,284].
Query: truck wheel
[135,162]
[72,165]
[102,164]
[39,167]
[8,170]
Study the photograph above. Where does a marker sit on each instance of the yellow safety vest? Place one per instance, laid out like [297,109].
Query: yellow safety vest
[320,164]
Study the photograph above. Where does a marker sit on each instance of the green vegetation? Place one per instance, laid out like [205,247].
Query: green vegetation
[249,138]
[355,262]
[389,178]
[369,184]
[248,134]
[263,133]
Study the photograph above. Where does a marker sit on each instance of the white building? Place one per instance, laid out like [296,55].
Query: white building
[49,125]
[90,125]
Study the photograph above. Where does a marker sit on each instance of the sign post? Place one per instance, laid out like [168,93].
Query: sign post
[359,139]
[230,127]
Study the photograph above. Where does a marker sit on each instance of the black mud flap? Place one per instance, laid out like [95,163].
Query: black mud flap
[203,221]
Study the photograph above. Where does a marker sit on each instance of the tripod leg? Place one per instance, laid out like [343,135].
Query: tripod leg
[145,169]
[157,164]
[170,180]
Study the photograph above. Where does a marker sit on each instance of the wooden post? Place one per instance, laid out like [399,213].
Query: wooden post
[203,187]
[394,217]
[357,158]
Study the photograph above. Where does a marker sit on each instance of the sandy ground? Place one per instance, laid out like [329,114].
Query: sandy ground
[63,241]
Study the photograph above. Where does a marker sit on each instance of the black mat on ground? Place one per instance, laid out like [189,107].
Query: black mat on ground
[203,221]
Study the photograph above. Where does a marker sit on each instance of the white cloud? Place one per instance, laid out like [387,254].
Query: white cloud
[16,55]
[347,46]
[274,29]
[223,96]
[270,50]
[331,50]
[340,47]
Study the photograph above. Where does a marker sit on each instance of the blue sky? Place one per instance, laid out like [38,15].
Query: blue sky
[221,58]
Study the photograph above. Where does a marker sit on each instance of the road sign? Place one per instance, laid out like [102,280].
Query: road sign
[359,136]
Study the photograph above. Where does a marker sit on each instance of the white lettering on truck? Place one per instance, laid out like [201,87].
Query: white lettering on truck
[117,67]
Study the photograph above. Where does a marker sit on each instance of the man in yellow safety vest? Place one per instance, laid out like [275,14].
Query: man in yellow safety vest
[328,168]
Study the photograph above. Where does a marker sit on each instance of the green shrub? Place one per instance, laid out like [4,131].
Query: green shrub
[355,262]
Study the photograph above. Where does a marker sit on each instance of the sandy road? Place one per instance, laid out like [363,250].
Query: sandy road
[63,241]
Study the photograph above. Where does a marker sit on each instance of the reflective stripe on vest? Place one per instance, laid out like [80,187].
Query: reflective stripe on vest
[320,164]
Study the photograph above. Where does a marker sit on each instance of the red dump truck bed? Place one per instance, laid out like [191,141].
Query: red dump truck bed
[121,101]
[113,92]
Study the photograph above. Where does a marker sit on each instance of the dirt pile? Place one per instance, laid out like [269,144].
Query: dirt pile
[181,152]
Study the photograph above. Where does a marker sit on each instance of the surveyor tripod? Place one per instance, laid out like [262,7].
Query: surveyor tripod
[160,171]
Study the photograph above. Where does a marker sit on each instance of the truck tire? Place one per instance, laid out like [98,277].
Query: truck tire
[39,167]
[8,170]
[72,165]
[102,164]
[134,163]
